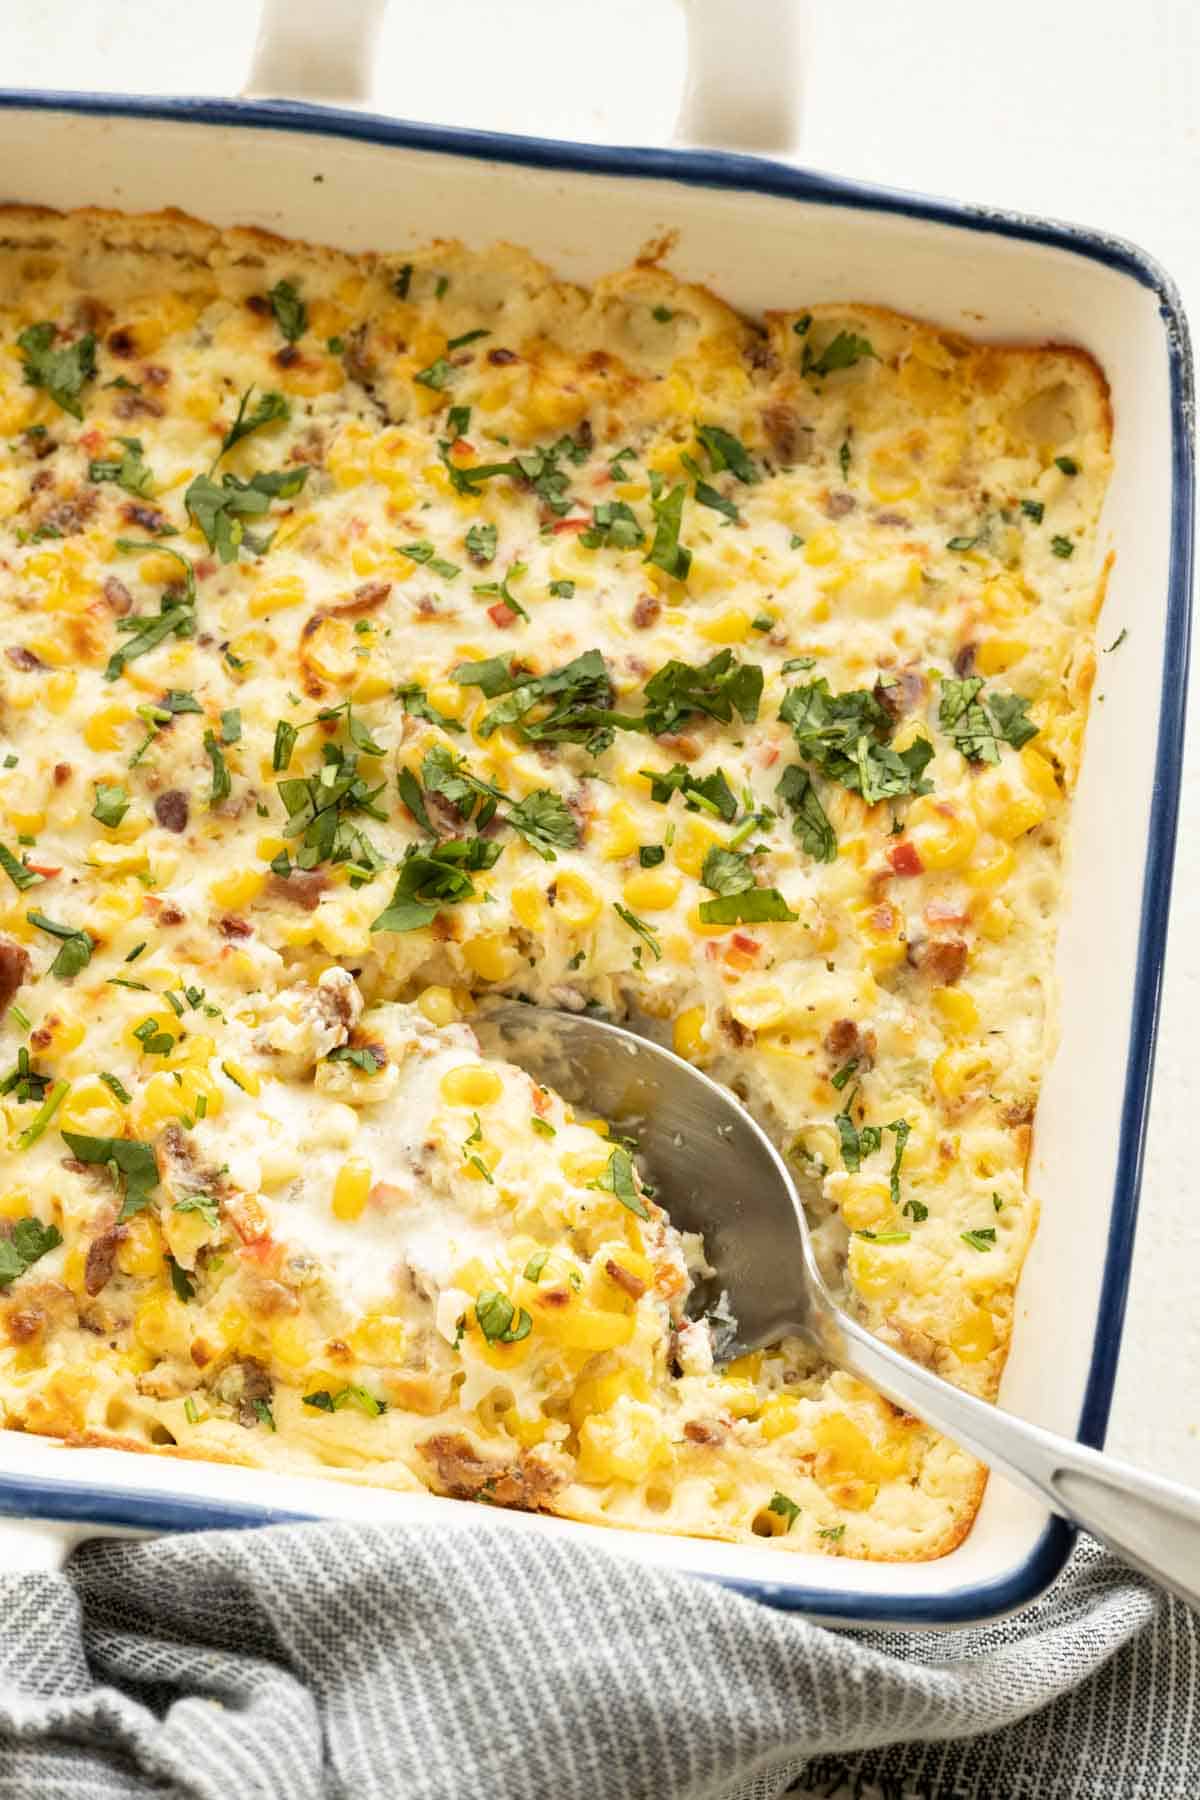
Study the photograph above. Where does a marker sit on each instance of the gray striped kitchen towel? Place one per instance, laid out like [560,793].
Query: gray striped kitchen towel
[449,1664]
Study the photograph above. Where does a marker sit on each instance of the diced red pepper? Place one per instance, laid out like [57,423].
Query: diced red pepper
[742,942]
[45,869]
[561,525]
[502,615]
[905,860]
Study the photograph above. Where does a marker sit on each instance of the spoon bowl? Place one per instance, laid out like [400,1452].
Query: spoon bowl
[716,1172]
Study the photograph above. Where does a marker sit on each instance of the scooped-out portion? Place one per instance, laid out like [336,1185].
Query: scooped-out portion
[384,637]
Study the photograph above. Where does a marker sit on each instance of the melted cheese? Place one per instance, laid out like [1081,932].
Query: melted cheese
[464,476]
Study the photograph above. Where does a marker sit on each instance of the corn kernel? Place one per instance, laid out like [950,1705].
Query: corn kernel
[689,1034]
[140,1251]
[471,1085]
[290,1343]
[379,1338]
[991,865]
[92,1109]
[623,834]
[529,908]
[995,921]
[961,1071]
[942,835]
[491,957]
[576,901]
[351,1189]
[730,627]
[821,548]
[974,1337]
[864,1202]
[438,1005]
[778,1416]
[957,1011]
[652,890]
[623,1444]
[105,729]
[692,844]
[994,655]
[242,1077]
[238,888]
[275,596]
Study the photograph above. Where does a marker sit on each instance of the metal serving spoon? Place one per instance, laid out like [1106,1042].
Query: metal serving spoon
[717,1173]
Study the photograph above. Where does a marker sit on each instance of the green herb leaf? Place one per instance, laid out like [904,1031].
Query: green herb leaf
[204,1204]
[15,869]
[1067,464]
[416,703]
[727,871]
[614,527]
[360,1056]
[221,510]
[271,408]
[1062,546]
[181,1281]
[111,803]
[481,544]
[708,794]
[545,821]
[221,782]
[499,1320]
[751,906]
[1034,509]
[77,946]
[846,349]
[432,878]
[61,373]
[787,1509]
[666,552]
[845,737]
[619,1180]
[291,314]
[124,1157]
[982,1239]
[811,823]
[724,451]
[641,928]
[30,1240]
[128,470]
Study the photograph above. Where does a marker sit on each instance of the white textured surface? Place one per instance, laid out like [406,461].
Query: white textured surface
[1081,112]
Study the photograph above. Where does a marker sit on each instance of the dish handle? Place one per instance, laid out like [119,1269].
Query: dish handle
[741,88]
[314,50]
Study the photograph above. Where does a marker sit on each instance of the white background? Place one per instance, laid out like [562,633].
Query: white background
[1084,110]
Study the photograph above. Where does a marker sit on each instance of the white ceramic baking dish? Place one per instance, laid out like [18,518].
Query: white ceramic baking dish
[760,233]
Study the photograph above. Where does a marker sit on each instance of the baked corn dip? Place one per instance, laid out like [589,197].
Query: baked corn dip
[382,636]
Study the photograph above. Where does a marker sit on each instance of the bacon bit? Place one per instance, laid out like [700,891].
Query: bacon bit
[502,615]
[554,1297]
[940,960]
[696,1431]
[365,599]
[201,1353]
[500,357]
[25,1324]
[21,658]
[232,927]
[941,912]
[62,774]
[385,1193]
[121,342]
[630,1284]
[561,525]
[904,859]
[647,611]
[669,1281]
[715,947]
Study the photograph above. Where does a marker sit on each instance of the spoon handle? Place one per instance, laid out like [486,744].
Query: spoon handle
[1152,1523]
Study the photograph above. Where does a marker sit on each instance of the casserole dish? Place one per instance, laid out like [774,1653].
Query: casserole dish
[746,228]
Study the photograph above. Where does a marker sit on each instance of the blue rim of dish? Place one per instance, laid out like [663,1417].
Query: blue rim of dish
[47,1498]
